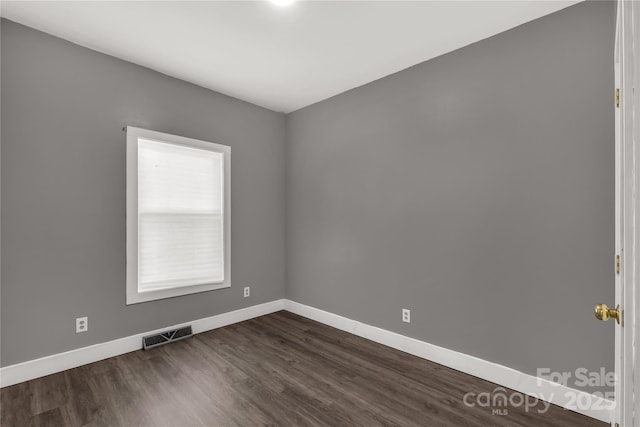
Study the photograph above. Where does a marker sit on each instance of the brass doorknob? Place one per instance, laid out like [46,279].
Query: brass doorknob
[603,312]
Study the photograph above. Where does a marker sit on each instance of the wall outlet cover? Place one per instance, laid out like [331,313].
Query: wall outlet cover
[82,324]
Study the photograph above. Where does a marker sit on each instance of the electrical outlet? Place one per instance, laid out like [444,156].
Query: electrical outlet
[247,291]
[406,315]
[82,324]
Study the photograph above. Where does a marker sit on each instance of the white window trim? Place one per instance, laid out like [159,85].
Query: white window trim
[133,296]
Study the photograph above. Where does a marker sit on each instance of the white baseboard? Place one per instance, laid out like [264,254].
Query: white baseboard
[595,407]
[36,368]
[548,391]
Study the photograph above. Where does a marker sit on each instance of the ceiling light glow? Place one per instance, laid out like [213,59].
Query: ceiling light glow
[282,2]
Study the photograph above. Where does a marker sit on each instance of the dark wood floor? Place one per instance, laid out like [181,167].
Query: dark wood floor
[279,369]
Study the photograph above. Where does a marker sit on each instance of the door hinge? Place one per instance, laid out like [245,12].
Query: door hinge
[618,97]
[617,264]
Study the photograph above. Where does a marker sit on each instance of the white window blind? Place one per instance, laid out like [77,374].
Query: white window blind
[180,216]
[177,215]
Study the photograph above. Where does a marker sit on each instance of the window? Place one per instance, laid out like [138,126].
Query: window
[177,215]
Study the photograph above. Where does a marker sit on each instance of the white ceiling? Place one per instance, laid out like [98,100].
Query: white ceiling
[280,58]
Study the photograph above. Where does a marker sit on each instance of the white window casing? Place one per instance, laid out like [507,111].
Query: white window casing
[178,215]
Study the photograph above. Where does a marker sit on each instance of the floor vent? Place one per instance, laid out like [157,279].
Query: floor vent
[166,337]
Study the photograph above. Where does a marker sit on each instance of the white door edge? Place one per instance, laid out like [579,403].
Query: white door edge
[627,286]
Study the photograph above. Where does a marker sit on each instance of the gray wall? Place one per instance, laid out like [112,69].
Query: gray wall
[476,189]
[63,193]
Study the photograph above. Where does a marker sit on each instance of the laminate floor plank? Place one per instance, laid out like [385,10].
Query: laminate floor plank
[387,385]
[392,393]
[314,382]
[275,370]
